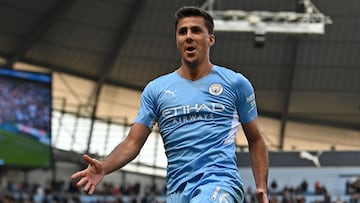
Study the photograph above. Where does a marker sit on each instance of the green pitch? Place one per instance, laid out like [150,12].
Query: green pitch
[21,150]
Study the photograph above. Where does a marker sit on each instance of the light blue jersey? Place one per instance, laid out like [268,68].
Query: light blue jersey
[198,121]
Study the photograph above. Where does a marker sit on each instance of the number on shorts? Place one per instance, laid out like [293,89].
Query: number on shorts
[223,198]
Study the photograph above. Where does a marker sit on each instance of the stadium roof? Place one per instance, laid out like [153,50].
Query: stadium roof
[126,43]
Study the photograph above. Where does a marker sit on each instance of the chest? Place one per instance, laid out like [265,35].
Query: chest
[195,99]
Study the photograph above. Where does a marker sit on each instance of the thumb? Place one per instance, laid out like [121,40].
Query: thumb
[88,159]
[93,163]
[262,195]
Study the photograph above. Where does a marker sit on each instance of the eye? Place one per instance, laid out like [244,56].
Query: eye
[182,31]
[196,30]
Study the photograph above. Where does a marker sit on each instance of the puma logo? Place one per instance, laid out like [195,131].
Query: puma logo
[170,92]
[311,157]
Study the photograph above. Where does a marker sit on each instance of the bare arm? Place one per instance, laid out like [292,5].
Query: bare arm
[259,158]
[122,154]
[127,150]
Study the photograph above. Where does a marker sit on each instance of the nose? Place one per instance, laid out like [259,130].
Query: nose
[189,36]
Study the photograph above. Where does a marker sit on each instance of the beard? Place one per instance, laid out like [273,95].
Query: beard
[191,61]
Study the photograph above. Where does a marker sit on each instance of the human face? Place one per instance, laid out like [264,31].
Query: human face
[193,41]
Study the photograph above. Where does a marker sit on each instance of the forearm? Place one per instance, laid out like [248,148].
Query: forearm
[121,155]
[259,161]
[127,150]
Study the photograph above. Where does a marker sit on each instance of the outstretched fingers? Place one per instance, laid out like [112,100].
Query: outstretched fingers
[89,188]
[89,177]
[82,181]
[78,174]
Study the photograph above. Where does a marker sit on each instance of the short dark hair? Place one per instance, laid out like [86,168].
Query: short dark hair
[189,11]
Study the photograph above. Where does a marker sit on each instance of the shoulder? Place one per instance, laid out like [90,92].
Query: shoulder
[236,78]
[160,81]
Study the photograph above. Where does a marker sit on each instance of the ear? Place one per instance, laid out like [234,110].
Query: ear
[211,40]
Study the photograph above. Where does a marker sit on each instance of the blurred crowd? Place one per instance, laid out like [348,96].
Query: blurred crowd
[25,103]
[303,193]
[67,192]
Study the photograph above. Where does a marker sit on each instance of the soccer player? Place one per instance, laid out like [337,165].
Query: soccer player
[199,108]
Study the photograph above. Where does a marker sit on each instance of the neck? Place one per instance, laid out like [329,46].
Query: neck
[194,73]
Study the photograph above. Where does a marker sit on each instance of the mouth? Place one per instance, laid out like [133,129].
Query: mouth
[190,50]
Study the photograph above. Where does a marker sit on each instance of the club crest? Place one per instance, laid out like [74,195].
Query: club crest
[215,89]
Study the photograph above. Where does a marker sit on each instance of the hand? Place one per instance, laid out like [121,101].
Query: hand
[90,176]
[262,196]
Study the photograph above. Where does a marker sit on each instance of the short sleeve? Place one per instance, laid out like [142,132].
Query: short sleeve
[147,111]
[246,103]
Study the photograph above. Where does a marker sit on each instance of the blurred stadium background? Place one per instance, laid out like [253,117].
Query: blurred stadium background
[302,57]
